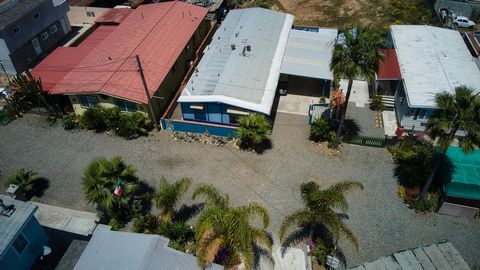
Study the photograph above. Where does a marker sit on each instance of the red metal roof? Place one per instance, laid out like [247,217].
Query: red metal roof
[64,59]
[158,33]
[389,69]
[115,16]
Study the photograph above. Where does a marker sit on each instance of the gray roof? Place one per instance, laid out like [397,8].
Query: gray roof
[124,250]
[9,226]
[308,54]
[247,80]
[12,10]
[436,256]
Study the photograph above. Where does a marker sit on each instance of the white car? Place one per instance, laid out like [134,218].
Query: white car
[464,22]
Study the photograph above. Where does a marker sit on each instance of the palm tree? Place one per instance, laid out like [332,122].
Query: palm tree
[357,56]
[26,180]
[319,213]
[169,195]
[104,177]
[226,234]
[455,112]
[253,129]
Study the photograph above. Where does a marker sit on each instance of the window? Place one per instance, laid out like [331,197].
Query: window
[20,244]
[44,36]
[235,118]
[53,29]
[36,15]
[125,106]
[16,29]
[90,14]
[88,101]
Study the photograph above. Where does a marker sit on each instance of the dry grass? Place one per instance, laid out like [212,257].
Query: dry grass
[348,13]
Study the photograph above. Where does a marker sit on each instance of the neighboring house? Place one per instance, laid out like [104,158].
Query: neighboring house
[29,28]
[21,236]
[85,15]
[102,69]
[430,60]
[125,250]
[241,67]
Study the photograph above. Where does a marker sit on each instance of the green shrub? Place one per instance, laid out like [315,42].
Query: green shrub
[69,122]
[413,162]
[95,119]
[132,125]
[428,204]
[5,118]
[320,130]
[321,250]
[253,130]
[116,224]
[148,223]
[377,103]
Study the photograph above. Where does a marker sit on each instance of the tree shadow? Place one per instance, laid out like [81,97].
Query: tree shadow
[145,194]
[38,188]
[186,212]
[260,252]
[444,173]
[263,146]
[351,127]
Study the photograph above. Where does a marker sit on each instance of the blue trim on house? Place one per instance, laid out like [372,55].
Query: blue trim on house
[198,127]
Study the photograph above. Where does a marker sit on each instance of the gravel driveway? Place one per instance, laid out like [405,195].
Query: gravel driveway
[380,220]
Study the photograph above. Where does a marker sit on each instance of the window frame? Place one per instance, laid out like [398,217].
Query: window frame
[44,35]
[16,29]
[90,13]
[36,17]
[52,29]
[24,242]
[125,108]
[88,99]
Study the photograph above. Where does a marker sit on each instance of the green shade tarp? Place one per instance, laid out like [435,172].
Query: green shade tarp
[465,174]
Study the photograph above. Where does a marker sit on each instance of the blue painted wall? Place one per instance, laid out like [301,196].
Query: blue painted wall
[36,238]
[198,127]
[212,113]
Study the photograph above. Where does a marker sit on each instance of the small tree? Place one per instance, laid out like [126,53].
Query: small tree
[113,186]
[459,111]
[253,130]
[320,129]
[26,180]
[169,195]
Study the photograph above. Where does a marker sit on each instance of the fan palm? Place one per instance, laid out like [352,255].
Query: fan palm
[169,195]
[253,129]
[319,212]
[26,180]
[225,233]
[455,112]
[101,178]
[358,56]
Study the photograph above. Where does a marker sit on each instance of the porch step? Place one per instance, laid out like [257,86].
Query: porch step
[389,101]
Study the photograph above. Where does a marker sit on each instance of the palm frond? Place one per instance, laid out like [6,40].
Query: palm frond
[295,219]
[211,194]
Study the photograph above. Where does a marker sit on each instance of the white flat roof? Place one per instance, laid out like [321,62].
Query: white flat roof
[432,60]
[309,54]
[228,76]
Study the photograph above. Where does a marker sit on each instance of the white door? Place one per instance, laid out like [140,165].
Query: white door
[36,45]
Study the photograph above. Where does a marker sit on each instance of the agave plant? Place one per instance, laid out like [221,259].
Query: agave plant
[26,180]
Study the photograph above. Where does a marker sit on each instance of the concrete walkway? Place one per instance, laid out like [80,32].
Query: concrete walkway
[65,219]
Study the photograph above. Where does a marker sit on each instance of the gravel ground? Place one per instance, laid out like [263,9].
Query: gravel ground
[380,220]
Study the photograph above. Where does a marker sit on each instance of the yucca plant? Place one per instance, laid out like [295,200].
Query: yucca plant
[319,214]
[253,130]
[225,234]
[113,186]
[169,196]
[26,180]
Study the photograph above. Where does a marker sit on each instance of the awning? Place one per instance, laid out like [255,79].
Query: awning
[308,54]
[389,68]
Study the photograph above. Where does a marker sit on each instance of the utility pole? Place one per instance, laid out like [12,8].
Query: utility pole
[4,71]
[139,65]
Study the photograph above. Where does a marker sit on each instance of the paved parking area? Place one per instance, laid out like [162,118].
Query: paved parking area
[382,223]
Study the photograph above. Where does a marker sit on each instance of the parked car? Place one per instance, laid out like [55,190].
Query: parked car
[464,22]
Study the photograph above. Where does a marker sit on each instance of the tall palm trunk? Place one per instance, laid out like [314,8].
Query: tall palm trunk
[438,162]
[344,112]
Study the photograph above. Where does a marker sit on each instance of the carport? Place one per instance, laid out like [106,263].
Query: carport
[305,70]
